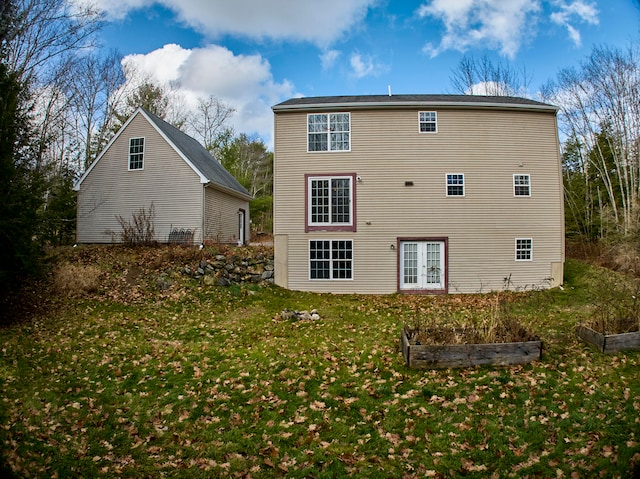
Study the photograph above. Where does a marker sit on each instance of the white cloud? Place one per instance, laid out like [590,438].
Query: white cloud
[244,82]
[328,58]
[578,10]
[495,24]
[319,23]
[364,65]
[502,25]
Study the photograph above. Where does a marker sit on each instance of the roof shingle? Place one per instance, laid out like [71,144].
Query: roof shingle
[373,101]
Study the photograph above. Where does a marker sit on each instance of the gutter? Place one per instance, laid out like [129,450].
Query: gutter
[228,190]
[414,104]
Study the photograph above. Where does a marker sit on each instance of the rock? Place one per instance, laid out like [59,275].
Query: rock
[267,275]
[200,272]
[222,281]
[203,264]
[162,283]
[221,257]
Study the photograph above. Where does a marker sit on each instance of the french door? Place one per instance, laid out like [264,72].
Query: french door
[422,265]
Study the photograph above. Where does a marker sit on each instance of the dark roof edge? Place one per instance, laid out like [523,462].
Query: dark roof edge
[461,101]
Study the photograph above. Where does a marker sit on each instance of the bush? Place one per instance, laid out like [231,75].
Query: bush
[141,229]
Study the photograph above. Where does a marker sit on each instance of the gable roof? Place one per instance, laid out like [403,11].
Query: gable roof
[412,101]
[190,150]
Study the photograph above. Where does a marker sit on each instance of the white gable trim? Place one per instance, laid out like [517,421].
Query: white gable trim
[76,187]
[203,179]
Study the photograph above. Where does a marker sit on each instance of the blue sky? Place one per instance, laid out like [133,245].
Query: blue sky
[252,54]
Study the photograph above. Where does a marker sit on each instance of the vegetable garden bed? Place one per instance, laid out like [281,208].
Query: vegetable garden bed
[609,343]
[466,355]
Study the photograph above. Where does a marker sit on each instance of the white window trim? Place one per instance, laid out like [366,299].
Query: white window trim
[330,260]
[309,205]
[144,147]
[329,150]
[446,185]
[514,185]
[420,122]
[515,255]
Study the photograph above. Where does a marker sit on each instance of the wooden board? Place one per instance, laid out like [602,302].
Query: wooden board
[466,355]
[610,343]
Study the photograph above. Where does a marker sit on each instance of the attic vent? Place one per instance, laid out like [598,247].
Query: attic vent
[408,183]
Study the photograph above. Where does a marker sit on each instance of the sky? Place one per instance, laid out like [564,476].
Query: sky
[253,54]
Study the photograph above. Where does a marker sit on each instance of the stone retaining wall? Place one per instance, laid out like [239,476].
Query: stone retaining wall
[224,270]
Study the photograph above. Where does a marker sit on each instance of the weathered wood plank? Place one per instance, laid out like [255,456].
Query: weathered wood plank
[609,343]
[591,337]
[466,355]
[622,342]
[405,346]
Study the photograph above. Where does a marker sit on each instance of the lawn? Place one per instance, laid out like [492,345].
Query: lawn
[124,378]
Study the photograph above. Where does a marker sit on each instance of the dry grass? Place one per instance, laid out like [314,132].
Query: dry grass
[496,324]
[76,281]
[623,256]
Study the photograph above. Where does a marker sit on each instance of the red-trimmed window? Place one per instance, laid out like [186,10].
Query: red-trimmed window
[330,203]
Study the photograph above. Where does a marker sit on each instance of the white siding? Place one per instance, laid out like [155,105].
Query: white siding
[386,151]
[111,189]
[221,213]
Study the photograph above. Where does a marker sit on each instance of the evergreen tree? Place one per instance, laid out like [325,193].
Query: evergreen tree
[21,187]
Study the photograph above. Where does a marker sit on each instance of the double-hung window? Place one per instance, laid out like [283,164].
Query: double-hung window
[330,203]
[455,184]
[524,249]
[136,153]
[428,121]
[521,185]
[331,259]
[329,132]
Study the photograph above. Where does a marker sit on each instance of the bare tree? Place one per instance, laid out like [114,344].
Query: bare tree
[94,95]
[45,31]
[600,111]
[482,77]
[208,122]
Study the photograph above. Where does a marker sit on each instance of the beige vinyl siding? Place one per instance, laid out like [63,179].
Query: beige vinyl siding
[221,213]
[387,150]
[111,189]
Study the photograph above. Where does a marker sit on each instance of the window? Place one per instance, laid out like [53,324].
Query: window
[331,259]
[330,203]
[329,131]
[428,122]
[136,153]
[521,185]
[524,249]
[455,184]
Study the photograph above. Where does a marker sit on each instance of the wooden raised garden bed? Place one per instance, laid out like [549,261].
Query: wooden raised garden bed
[610,343]
[466,355]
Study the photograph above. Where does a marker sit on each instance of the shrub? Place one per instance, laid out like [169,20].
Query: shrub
[140,230]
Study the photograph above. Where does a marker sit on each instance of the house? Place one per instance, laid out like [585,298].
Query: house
[151,163]
[417,194]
